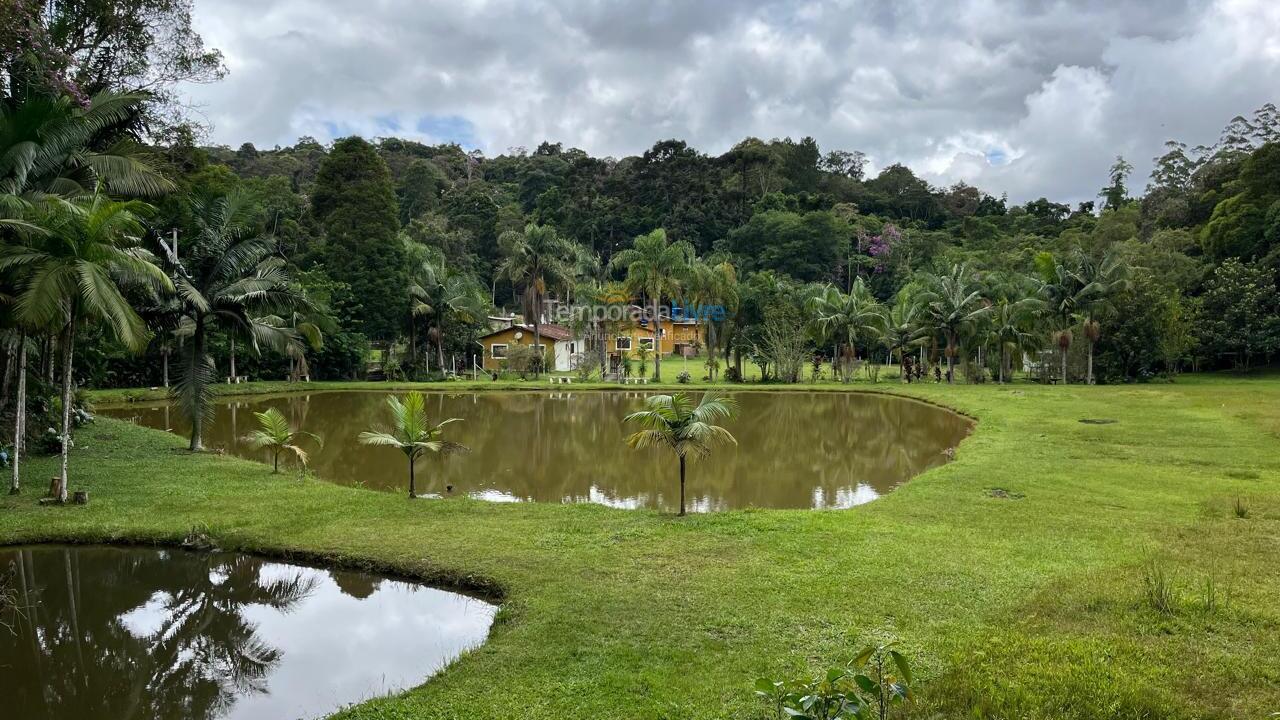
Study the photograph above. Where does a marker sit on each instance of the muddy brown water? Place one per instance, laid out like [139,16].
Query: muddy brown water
[108,633]
[795,450]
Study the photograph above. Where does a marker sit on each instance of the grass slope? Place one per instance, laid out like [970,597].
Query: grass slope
[1026,606]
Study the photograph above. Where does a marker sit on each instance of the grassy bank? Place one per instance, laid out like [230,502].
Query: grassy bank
[1023,603]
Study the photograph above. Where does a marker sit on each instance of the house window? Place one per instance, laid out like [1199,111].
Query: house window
[622,343]
[498,351]
[572,348]
[646,343]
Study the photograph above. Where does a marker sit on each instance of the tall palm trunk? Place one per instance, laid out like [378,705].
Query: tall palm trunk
[1089,373]
[681,485]
[657,341]
[1063,351]
[233,357]
[67,359]
[440,346]
[164,357]
[537,332]
[20,416]
[197,359]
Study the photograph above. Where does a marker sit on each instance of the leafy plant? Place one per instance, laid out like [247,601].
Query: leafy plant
[684,378]
[673,421]
[275,434]
[876,679]
[412,433]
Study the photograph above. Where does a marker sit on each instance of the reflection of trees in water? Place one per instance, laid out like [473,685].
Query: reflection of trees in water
[198,652]
[554,447]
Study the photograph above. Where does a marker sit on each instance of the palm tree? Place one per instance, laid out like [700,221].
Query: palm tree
[76,273]
[440,295]
[953,303]
[711,285]
[1063,291]
[903,329]
[655,267]
[673,421]
[1013,330]
[848,318]
[230,278]
[54,147]
[412,433]
[274,434]
[1100,281]
[535,260]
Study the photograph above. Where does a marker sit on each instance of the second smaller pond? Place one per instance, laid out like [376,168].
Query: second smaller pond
[110,632]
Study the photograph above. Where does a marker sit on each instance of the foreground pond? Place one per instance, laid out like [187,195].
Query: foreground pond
[795,450]
[107,632]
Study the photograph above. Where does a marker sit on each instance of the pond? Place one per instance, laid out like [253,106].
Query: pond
[795,450]
[113,632]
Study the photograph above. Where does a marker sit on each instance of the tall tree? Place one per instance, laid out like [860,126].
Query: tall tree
[75,274]
[228,279]
[355,202]
[848,318]
[954,303]
[656,267]
[534,260]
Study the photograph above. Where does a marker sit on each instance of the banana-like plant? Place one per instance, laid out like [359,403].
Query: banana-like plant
[275,434]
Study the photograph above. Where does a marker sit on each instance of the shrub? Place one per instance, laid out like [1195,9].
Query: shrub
[684,378]
[874,681]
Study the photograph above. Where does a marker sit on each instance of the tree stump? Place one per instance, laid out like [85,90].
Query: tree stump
[80,497]
[54,482]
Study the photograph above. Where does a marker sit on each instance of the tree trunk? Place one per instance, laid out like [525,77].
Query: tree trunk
[682,485]
[657,342]
[19,416]
[197,359]
[413,493]
[440,346]
[1064,365]
[275,462]
[233,358]
[1089,375]
[67,359]
[537,332]
[164,355]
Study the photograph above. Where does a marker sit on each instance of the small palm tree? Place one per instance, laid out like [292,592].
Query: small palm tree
[848,319]
[274,434]
[673,421]
[412,433]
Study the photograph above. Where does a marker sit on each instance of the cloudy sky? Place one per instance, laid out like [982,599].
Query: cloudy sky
[1030,98]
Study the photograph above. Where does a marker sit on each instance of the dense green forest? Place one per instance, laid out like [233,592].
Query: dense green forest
[127,243]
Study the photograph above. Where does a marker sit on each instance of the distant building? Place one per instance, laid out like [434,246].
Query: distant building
[558,339]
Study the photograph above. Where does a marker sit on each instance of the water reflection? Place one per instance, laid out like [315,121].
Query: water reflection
[796,450]
[150,633]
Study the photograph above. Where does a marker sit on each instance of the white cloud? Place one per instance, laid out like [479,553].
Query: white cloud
[1029,98]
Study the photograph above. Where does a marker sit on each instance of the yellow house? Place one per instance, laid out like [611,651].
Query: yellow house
[558,344]
[678,337]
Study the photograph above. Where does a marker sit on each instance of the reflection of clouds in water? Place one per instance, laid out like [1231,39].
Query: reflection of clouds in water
[844,497]
[199,636]
[147,619]
[391,640]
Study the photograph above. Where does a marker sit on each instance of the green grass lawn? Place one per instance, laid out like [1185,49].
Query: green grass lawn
[1027,604]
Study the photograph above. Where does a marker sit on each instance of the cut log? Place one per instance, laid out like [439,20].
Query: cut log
[80,497]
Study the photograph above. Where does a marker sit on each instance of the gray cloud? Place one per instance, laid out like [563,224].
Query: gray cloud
[1026,98]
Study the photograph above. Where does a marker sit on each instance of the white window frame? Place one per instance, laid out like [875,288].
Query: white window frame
[493,351]
[617,343]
